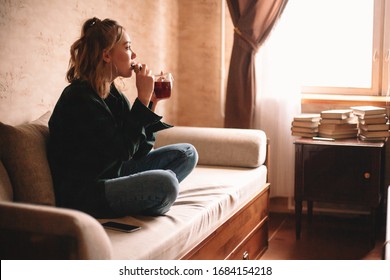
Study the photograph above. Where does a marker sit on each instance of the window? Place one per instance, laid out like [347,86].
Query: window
[343,45]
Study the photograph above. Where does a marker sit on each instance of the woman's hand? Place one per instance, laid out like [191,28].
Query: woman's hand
[154,99]
[145,84]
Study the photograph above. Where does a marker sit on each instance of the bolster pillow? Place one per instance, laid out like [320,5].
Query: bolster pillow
[220,146]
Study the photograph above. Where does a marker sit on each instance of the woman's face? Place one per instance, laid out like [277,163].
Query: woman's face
[121,57]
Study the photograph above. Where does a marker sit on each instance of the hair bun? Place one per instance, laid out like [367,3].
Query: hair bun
[90,23]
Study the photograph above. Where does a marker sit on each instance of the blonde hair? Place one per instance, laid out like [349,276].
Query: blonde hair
[86,60]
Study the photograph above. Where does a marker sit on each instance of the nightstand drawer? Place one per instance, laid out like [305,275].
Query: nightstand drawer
[341,174]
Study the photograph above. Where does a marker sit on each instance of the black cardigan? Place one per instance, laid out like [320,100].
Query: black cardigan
[90,137]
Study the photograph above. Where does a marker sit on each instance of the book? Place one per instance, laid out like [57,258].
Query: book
[374,127]
[339,114]
[377,119]
[338,132]
[373,139]
[308,117]
[304,129]
[342,126]
[368,110]
[304,124]
[374,116]
[304,134]
[337,121]
[338,136]
[383,133]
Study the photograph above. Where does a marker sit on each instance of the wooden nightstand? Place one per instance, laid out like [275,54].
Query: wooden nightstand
[348,172]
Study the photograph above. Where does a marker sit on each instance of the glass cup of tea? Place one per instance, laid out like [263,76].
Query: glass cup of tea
[163,84]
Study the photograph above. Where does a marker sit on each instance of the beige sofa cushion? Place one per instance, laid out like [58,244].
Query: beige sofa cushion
[26,144]
[220,146]
[207,198]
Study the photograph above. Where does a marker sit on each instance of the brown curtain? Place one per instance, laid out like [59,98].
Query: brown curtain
[253,21]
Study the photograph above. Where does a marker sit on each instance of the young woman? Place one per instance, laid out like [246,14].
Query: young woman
[100,148]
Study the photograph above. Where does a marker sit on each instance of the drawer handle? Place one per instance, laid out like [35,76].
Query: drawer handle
[245,255]
[367,175]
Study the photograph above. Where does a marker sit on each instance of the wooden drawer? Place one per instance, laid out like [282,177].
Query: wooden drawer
[341,174]
[254,246]
[234,231]
[337,173]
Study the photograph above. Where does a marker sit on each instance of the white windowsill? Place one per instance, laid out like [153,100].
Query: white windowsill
[333,98]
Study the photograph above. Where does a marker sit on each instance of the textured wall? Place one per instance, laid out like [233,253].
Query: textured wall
[180,36]
[199,54]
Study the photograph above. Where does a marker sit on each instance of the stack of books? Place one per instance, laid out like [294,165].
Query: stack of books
[338,124]
[373,123]
[305,125]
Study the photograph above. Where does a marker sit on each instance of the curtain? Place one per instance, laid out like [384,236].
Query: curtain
[278,98]
[253,20]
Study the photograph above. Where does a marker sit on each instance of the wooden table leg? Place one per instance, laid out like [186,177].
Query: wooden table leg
[298,217]
[310,211]
[372,227]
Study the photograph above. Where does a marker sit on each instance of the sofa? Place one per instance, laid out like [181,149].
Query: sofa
[386,247]
[221,211]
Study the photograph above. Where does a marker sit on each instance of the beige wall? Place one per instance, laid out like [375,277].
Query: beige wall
[180,36]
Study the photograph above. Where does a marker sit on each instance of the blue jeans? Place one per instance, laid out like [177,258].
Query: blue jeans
[149,186]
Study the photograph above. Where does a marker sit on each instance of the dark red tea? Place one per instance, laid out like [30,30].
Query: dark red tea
[162,89]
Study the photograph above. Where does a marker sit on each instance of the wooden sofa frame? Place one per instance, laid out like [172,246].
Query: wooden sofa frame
[244,235]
